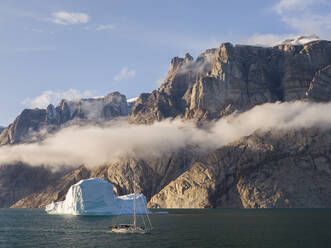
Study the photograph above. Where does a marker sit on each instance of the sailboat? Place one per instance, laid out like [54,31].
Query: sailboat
[134,227]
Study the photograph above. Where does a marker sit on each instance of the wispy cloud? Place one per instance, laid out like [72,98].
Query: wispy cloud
[125,73]
[284,6]
[36,30]
[105,27]
[69,18]
[54,97]
[266,39]
[310,23]
[305,16]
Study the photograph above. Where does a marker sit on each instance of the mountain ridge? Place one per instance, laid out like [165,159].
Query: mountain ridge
[52,118]
[235,78]
[273,169]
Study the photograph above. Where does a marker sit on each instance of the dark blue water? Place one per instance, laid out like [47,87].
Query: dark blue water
[180,228]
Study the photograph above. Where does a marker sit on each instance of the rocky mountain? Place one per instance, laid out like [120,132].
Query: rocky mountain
[275,169]
[27,125]
[151,175]
[239,77]
[1,129]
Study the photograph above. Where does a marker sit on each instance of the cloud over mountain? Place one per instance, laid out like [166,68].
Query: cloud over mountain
[54,97]
[98,145]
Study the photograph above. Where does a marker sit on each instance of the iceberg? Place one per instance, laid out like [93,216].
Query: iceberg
[95,196]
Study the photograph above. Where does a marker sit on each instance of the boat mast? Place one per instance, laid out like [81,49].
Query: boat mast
[134,204]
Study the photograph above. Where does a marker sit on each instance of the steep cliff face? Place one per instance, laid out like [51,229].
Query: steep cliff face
[168,100]
[320,87]
[31,121]
[277,169]
[231,78]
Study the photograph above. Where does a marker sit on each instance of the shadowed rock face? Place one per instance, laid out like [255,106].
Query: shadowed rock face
[18,181]
[30,121]
[320,87]
[231,78]
[53,191]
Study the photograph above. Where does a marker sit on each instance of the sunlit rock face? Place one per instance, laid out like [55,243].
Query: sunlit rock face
[238,77]
[96,197]
[289,169]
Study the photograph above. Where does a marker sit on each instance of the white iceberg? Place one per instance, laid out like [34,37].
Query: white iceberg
[96,197]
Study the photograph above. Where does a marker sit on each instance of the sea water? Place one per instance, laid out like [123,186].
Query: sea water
[179,228]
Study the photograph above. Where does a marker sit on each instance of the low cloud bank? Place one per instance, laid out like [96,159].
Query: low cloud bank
[95,146]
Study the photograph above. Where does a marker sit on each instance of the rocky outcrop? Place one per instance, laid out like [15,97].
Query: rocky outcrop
[168,100]
[151,175]
[277,169]
[94,110]
[231,78]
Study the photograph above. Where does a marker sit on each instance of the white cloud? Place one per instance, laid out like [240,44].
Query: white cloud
[125,73]
[105,27]
[101,145]
[266,39]
[290,5]
[310,23]
[51,97]
[69,18]
[304,17]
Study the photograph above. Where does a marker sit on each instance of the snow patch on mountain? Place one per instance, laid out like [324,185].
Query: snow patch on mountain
[300,40]
[132,99]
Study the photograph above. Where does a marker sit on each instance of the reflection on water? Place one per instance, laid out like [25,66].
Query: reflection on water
[178,228]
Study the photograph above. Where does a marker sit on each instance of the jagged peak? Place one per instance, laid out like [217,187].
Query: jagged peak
[188,58]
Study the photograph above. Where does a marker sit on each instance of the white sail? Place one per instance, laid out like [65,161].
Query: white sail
[134,228]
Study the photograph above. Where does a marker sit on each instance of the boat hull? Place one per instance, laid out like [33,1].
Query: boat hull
[129,230]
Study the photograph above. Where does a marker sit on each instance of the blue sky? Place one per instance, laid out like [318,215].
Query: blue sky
[65,48]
